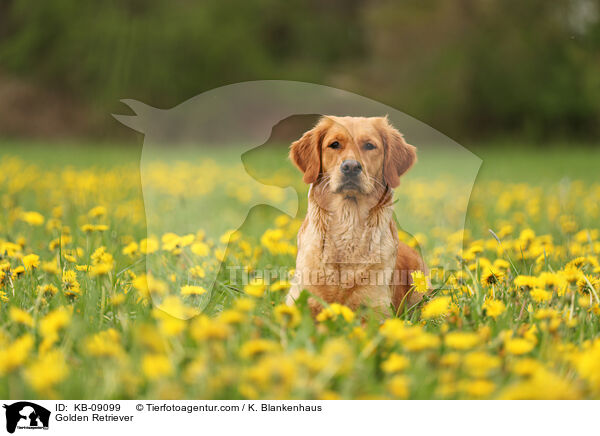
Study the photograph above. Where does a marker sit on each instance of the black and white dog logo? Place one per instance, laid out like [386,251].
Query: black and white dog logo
[26,415]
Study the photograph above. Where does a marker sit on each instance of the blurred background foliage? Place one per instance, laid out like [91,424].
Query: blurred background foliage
[473,69]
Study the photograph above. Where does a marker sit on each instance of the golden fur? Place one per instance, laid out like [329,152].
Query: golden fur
[348,247]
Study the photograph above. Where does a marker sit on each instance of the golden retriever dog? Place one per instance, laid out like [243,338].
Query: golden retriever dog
[348,246]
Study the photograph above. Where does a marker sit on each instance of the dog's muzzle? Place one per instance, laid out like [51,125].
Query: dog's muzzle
[350,168]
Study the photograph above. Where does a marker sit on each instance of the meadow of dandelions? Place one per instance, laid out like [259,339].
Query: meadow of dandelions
[516,318]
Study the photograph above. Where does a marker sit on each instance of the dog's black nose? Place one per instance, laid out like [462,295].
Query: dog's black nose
[351,167]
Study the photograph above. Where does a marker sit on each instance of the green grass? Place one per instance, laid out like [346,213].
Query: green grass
[109,340]
[505,161]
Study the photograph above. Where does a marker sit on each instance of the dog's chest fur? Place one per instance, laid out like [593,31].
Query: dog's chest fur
[349,238]
[347,253]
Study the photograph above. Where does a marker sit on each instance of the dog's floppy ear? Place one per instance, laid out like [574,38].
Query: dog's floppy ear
[305,153]
[399,156]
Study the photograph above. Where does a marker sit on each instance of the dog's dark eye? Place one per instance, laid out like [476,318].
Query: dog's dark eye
[335,145]
[369,146]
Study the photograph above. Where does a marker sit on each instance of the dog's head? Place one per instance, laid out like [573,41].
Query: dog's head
[353,156]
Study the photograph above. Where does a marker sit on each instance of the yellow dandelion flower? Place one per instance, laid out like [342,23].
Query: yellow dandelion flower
[527,282]
[197,272]
[257,347]
[100,269]
[231,316]
[282,220]
[46,371]
[256,287]
[518,346]
[172,313]
[587,363]
[526,367]
[436,308]
[156,366]
[501,264]
[70,283]
[220,254]
[148,246]
[491,276]
[420,282]
[572,274]
[422,341]
[244,304]
[54,322]
[147,286]
[200,249]
[494,308]
[334,310]
[31,261]
[50,267]
[358,333]
[171,242]
[540,295]
[398,386]
[541,385]
[526,236]
[546,313]
[480,364]
[230,236]
[131,249]
[18,271]
[288,316]
[395,363]
[97,212]
[451,360]
[461,340]
[204,328]
[187,240]
[21,317]
[104,344]
[33,218]
[87,228]
[280,285]
[47,290]
[117,299]
[15,354]
[192,290]
[478,388]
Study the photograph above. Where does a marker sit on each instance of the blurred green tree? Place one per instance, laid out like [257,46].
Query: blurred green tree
[470,68]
